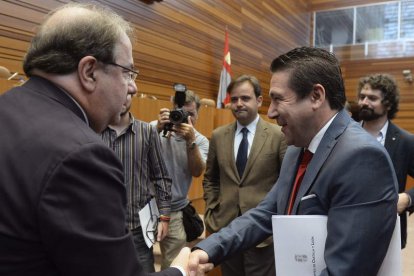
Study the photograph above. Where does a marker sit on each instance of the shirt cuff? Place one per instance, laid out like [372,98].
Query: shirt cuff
[410,203]
[180,269]
[165,210]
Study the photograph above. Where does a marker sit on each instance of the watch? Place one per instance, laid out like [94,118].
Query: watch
[191,146]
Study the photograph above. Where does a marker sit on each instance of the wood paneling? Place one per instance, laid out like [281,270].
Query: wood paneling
[410,183]
[319,5]
[146,109]
[181,41]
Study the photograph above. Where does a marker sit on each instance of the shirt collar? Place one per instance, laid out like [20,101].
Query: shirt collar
[77,104]
[131,122]
[128,128]
[251,127]
[382,133]
[314,144]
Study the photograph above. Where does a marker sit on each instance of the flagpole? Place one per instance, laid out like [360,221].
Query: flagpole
[225,77]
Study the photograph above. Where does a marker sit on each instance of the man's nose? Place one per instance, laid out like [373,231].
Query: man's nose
[132,88]
[364,101]
[272,112]
[239,102]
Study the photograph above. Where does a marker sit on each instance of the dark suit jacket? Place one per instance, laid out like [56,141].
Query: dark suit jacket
[225,193]
[61,190]
[400,146]
[339,182]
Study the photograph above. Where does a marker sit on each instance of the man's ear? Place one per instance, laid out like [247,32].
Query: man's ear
[86,72]
[386,104]
[259,101]
[318,95]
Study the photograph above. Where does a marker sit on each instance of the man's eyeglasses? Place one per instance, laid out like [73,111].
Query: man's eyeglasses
[132,74]
[152,226]
[152,229]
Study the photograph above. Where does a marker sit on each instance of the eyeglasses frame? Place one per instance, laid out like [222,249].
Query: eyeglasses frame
[133,74]
[154,231]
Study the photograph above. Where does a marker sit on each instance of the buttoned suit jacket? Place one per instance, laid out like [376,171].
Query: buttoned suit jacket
[350,179]
[61,188]
[400,146]
[225,193]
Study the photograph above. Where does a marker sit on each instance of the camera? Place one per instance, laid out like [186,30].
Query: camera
[178,115]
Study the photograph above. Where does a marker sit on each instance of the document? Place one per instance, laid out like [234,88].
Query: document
[299,243]
[148,217]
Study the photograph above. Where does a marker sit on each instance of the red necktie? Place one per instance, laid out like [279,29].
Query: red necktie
[306,158]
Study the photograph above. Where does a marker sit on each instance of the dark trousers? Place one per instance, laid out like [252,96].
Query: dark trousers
[252,262]
[144,254]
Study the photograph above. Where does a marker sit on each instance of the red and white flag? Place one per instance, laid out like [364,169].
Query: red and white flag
[225,77]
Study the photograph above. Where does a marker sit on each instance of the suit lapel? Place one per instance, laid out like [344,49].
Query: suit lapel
[391,140]
[324,149]
[259,140]
[228,147]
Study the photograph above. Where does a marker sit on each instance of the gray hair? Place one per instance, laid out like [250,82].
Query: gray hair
[72,32]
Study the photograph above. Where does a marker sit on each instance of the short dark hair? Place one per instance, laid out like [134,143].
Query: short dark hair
[388,86]
[190,97]
[309,66]
[243,78]
[58,47]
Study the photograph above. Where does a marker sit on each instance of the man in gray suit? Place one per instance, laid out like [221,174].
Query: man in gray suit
[378,99]
[307,100]
[229,189]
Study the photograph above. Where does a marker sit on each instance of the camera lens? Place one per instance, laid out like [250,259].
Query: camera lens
[176,116]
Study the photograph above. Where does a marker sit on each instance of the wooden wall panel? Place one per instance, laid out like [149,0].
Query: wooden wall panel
[181,41]
[319,5]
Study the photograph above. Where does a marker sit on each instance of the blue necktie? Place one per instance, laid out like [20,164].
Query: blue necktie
[242,152]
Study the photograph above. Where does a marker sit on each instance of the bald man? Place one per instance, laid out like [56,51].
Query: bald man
[62,192]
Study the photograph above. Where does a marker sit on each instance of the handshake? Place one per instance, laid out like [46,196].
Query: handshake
[193,263]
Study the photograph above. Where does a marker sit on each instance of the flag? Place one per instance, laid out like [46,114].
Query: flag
[225,77]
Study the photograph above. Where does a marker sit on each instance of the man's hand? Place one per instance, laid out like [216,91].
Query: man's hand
[182,259]
[198,263]
[403,202]
[162,230]
[186,131]
[163,118]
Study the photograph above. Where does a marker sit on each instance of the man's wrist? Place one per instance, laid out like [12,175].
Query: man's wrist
[191,145]
[165,218]
[409,204]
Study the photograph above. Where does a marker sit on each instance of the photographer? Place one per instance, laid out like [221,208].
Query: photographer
[185,153]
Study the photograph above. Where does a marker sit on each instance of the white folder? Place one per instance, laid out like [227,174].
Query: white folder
[148,217]
[299,243]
